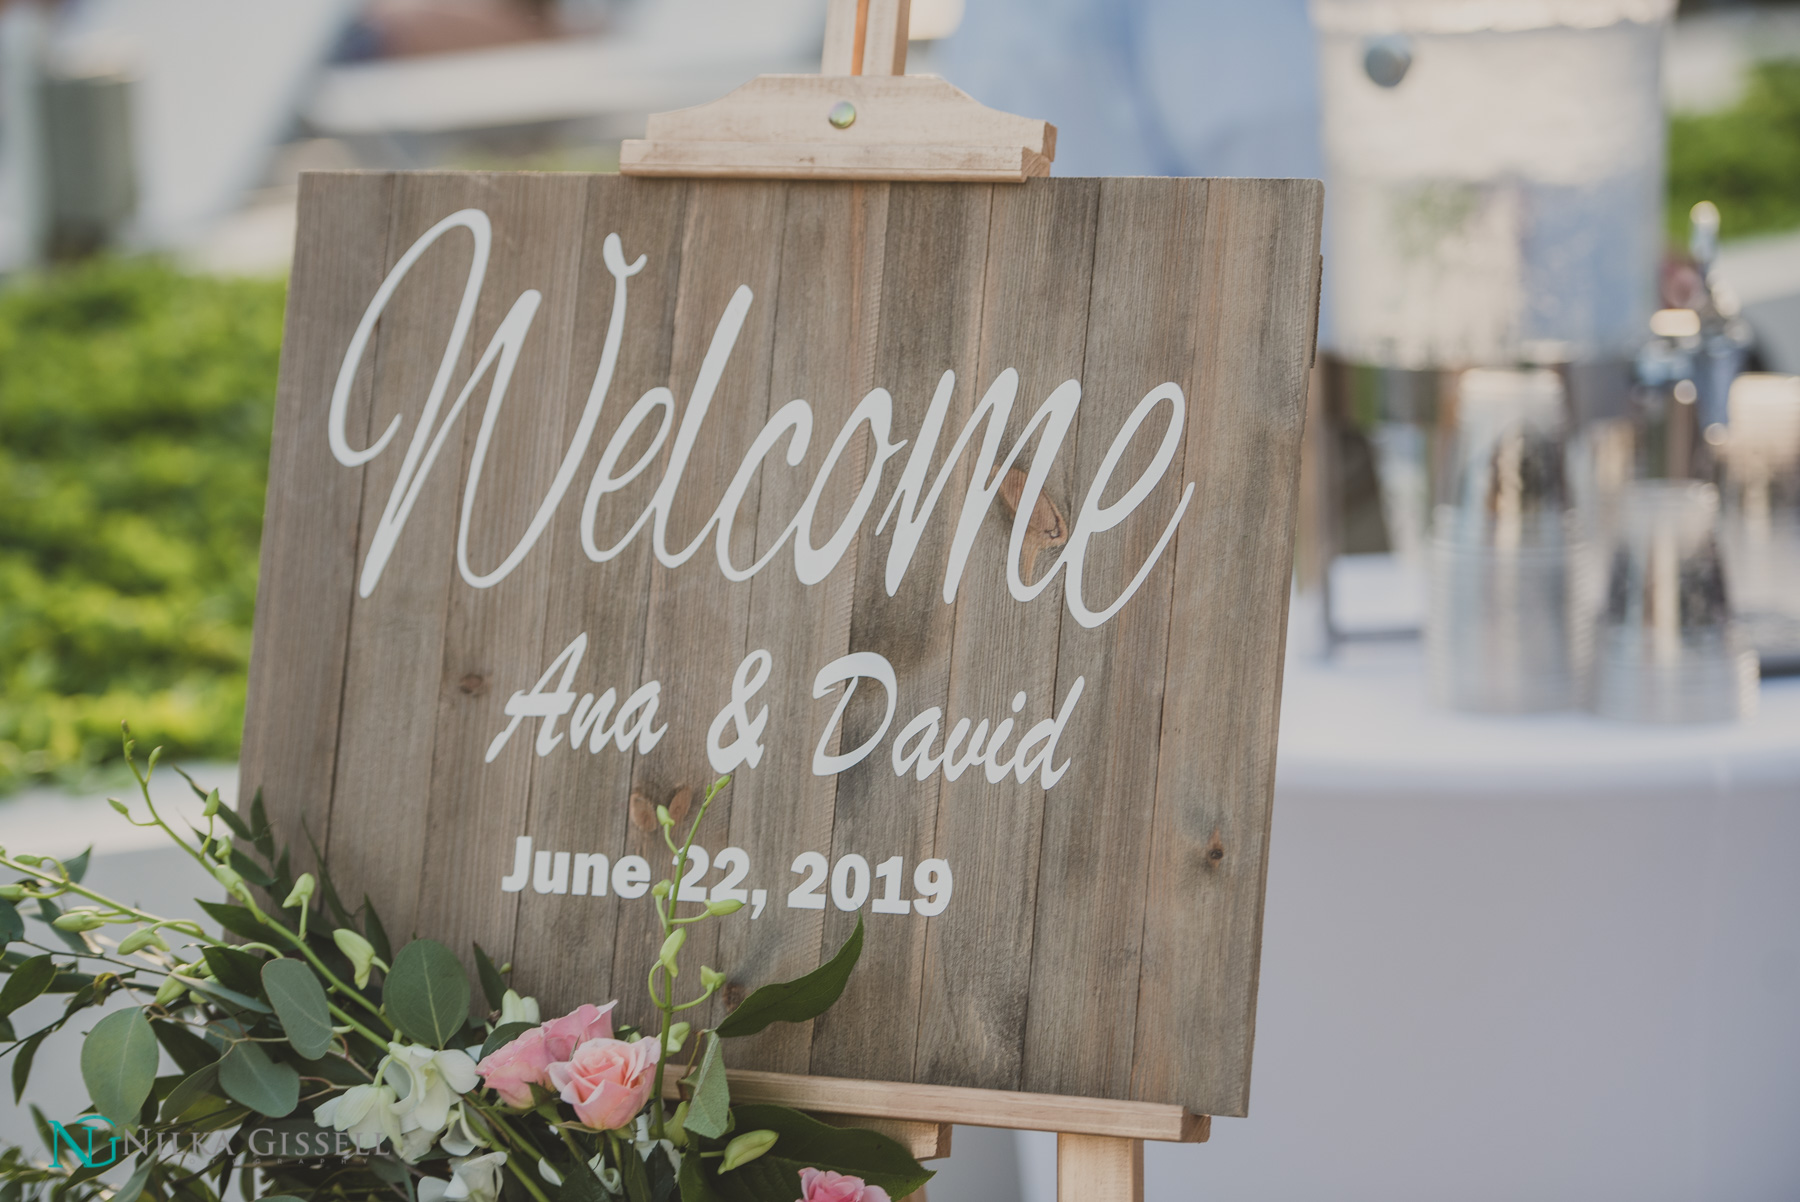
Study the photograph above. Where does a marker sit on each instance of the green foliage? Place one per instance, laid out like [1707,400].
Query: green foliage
[274,1038]
[800,999]
[427,993]
[135,408]
[1745,159]
[118,1064]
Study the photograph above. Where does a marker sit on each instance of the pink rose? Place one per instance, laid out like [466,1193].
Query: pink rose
[818,1185]
[563,1035]
[607,1081]
[512,1069]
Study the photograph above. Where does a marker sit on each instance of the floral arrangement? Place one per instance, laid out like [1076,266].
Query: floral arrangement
[314,1061]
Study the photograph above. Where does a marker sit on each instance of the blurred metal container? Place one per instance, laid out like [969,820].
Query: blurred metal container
[1494,200]
[1504,558]
[1666,648]
[1761,453]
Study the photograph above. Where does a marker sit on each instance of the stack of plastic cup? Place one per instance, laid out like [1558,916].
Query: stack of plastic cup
[1504,555]
[1666,648]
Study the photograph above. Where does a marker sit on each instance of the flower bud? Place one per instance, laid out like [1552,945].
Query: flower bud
[730,905]
[516,1009]
[663,816]
[221,848]
[29,861]
[140,939]
[301,894]
[678,1034]
[661,889]
[676,1129]
[712,978]
[120,806]
[548,1172]
[357,950]
[671,948]
[79,920]
[212,804]
[12,892]
[228,876]
[171,989]
[745,1148]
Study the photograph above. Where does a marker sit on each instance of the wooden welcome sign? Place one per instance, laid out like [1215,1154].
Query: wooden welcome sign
[952,520]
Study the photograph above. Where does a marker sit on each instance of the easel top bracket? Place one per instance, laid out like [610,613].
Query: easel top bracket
[861,118]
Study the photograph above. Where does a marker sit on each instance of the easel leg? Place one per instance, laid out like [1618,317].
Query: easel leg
[1099,1168]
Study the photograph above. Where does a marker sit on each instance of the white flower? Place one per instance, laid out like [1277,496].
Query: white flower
[428,1082]
[516,1009]
[646,1146]
[368,1112]
[461,1135]
[548,1172]
[473,1179]
[610,1180]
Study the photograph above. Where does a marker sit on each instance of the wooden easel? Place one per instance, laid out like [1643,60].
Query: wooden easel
[863,118]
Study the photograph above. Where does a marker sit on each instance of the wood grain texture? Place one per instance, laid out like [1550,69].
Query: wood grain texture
[389,716]
[310,524]
[979,954]
[1104,933]
[1099,1168]
[580,800]
[825,322]
[697,632]
[1202,938]
[930,324]
[1097,830]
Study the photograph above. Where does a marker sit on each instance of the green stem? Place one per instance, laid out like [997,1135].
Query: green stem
[525,1180]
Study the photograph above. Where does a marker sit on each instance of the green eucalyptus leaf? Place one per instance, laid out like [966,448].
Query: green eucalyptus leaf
[503,1034]
[134,1184]
[118,1065]
[709,1110]
[77,866]
[201,1083]
[250,870]
[21,1069]
[236,919]
[27,981]
[798,1000]
[236,970]
[11,925]
[300,1003]
[189,1052]
[427,993]
[249,1077]
[229,996]
[493,985]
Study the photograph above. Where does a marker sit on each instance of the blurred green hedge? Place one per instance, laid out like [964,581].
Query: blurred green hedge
[1745,159]
[135,406]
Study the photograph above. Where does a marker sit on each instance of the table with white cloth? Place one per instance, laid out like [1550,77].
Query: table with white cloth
[1547,957]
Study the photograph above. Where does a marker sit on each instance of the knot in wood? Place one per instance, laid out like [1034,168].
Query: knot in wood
[472,685]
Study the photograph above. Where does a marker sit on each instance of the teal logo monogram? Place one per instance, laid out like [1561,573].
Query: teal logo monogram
[85,1151]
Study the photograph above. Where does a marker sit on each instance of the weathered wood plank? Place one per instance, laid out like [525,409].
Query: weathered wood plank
[493,636]
[310,523]
[824,349]
[580,801]
[978,970]
[698,621]
[397,632]
[1096,831]
[1203,918]
[935,258]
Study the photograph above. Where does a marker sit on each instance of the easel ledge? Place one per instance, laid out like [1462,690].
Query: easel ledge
[1099,1144]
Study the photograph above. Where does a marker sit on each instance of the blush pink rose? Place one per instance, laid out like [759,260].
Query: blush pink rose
[512,1069]
[607,1081]
[822,1185]
[563,1035]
